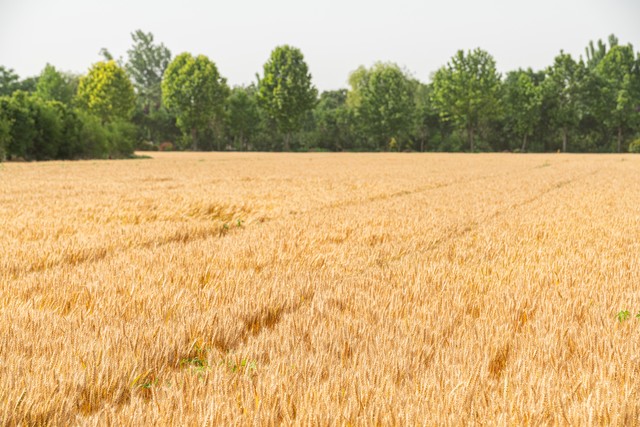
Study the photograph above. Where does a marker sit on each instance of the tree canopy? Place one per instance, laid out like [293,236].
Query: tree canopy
[146,64]
[383,98]
[620,73]
[107,92]
[193,88]
[285,90]
[148,101]
[55,86]
[467,91]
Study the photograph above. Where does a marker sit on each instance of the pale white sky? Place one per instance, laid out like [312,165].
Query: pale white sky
[336,36]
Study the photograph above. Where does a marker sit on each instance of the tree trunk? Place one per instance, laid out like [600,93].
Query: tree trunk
[194,141]
[619,139]
[423,140]
[470,138]
[524,143]
[564,140]
[287,137]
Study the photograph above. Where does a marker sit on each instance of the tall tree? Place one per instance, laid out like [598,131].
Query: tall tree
[561,90]
[9,81]
[467,91]
[107,92]
[5,134]
[621,75]
[285,90]
[427,119]
[28,84]
[595,53]
[146,65]
[243,116]
[333,121]
[522,103]
[193,88]
[56,86]
[385,103]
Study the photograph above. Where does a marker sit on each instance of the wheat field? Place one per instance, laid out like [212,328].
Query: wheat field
[321,289]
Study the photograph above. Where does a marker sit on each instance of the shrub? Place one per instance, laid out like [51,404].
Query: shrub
[122,138]
[48,124]
[634,147]
[5,134]
[93,137]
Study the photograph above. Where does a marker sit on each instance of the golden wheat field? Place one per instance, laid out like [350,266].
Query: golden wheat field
[321,289]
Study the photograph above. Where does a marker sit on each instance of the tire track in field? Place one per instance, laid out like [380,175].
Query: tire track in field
[397,194]
[441,341]
[95,254]
[401,193]
[460,232]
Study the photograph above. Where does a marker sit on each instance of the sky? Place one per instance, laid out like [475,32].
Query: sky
[335,36]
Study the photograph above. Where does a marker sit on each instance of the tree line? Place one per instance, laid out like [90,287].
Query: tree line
[154,101]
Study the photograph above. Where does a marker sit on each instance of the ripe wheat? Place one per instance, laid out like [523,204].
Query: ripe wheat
[362,289]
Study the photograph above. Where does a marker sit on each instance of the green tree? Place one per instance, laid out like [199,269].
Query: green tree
[107,92]
[467,91]
[5,134]
[36,126]
[358,80]
[71,145]
[522,102]
[285,90]
[55,86]
[333,121]
[146,65]
[28,84]
[619,71]
[93,135]
[243,117]
[561,90]
[16,111]
[595,53]
[49,127]
[9,81]
[427,120]
[384,102]
[193,88]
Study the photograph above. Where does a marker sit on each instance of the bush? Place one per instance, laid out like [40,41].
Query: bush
[92,136]
[71,145]
[15,109]
[5,134]
[122,138]
[35,129]
[634,147]
[48,123]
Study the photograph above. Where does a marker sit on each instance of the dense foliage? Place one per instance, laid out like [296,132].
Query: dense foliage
[152,101]
[193,88]
[285,91]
